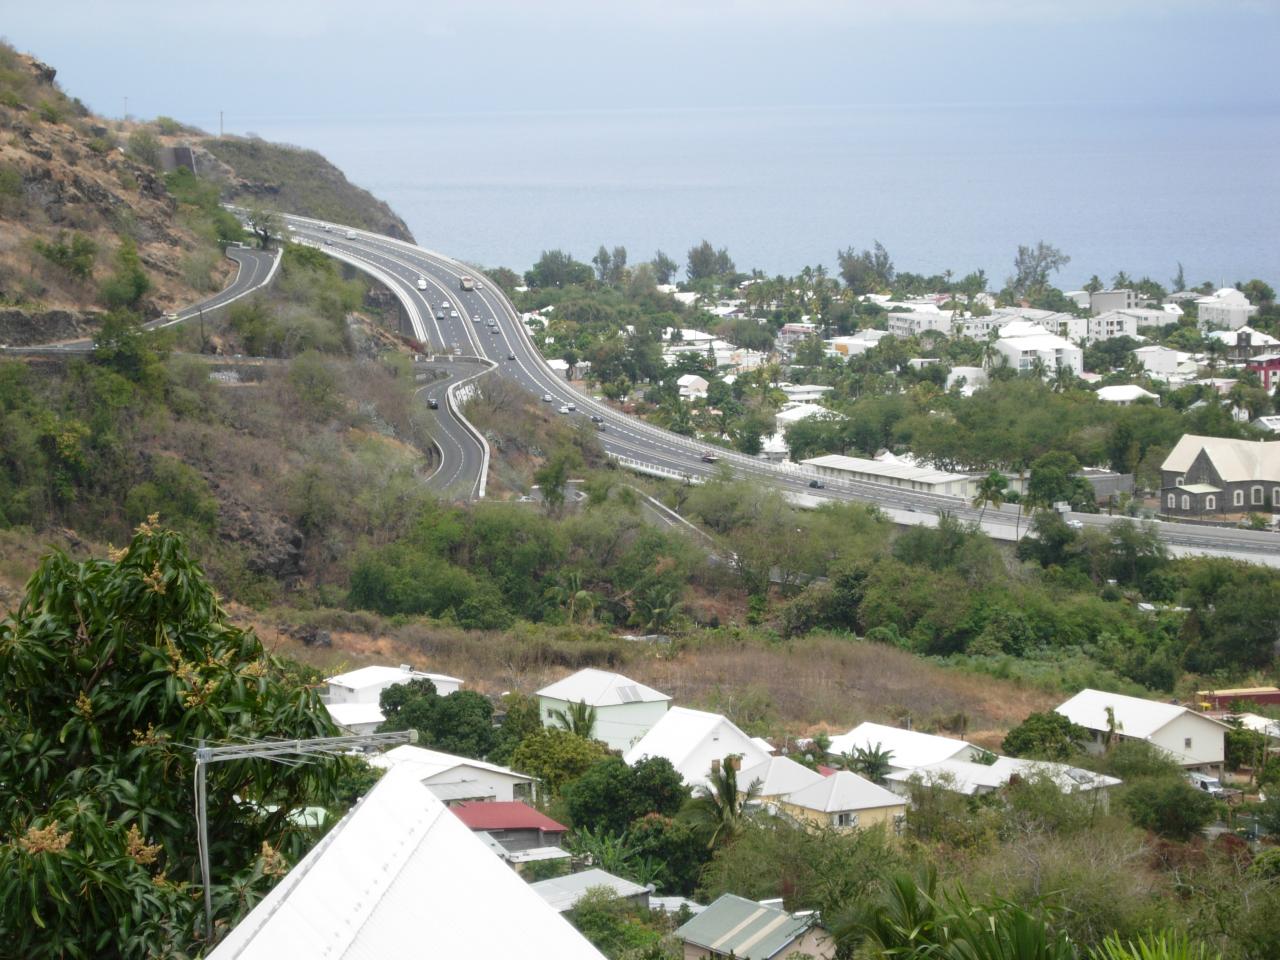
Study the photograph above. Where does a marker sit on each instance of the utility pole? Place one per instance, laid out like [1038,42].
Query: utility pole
[282,751]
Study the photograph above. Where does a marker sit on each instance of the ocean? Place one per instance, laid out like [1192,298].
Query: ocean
[942,187]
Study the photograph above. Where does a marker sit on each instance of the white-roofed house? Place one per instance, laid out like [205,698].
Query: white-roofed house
[563,893]
[907,749]
[1227,308]
[1161,361]
[625,710]
[397,867]
[971,778]
[1243,343]
[844,800]
[777,777]
[896,472]
[1217,475]
[1124,395]
[350,695]
[692,740]
[457,779]
[692,386]
[1193,740]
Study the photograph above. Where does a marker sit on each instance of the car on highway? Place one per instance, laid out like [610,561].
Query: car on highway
[596,418]
[422,283]
[476,318]
[433,403]
[546,398]
[511,356]
[572,406]
[350,234]
[564,408]
[816,484]
[1075,524]
[710,457]
[439,314]
[454,314]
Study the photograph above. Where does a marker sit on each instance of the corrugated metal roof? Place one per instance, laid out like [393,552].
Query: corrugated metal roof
[563,893]
[744,928]
[505,815]
[398,877]
[1134,716]
[600,688]
[907,748]
[843,791]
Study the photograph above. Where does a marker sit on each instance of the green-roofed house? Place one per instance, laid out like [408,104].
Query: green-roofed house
[747,930]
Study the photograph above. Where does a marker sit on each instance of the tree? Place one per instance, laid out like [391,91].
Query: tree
[521,718]
[114,668]
[870,271]
[126,287]
[1045,736]
[556,268]
[874,762]
[611,794]
[1179,281]
[720,806]
[460,723]
[556,757]
[552,479]
[1260,294]
[1032,268]
[707,263]
[991,492]
[145,148]
[1171,808]
[579,719]
[265,224]
[664,268]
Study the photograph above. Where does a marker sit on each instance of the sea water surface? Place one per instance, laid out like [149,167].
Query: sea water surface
[1118,187]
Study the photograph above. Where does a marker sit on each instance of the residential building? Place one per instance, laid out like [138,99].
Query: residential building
[1267,367]
[457,779]
[844,800]
[796,332]
[1145,318]
[625,710]
[692,386]
[1215,475]
[1161,362]
[693,740]
[1113,323]
[1227,309]
[795,412]
[895,472]
[736,927]
[563,893]
[971,778]
[777,776]
[1124,395]
[1104,301]
[1228,698]
[974,378]
[804,392]
[397,867]
[1271,424]
[907,749]
[1051,351]
[353,697]
[514,825]
[1191,739]
[916,322]
[858,343]
[1244,343]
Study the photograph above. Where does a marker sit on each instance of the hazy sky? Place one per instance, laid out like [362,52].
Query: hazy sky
[270,61]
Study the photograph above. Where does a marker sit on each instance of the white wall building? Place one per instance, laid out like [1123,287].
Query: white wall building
[919,321]
[352,697]
[1227,309]
[1193,740]
[457,779]
[895,472]
[1053,351]
[795,412]
[1125,395]
[857,343]
[692,740]
[1113,323]
[1160,361]
[625,710]
[975,378]
[973,779]
[908,749]
[692,386]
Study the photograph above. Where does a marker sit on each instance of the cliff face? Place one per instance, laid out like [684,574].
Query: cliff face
[296,180]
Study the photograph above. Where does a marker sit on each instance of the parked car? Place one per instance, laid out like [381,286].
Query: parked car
[1206,783]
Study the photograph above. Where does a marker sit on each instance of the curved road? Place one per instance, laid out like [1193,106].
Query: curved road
[255,268]
[644,447]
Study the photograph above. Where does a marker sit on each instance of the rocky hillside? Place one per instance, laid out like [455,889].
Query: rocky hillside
[79,194]
[293,179]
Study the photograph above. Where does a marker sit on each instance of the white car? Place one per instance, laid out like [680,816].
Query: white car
[572,406]
[350,234]
[546,398]
[454,314]
[475,319]
[564,408]
[422,283]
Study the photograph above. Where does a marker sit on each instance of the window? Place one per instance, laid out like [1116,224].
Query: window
[1172,501]
[1186,502]
[845,819]
[1186,743]
[1181,481]
[1211,502]
[1275,496]
[1256,495]
[1238,498]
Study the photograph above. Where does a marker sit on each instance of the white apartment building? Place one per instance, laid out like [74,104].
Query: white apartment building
[1113,323]
[1053,351]
[919,321]
[1227,309]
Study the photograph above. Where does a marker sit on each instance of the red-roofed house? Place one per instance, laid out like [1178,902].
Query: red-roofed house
[515,825]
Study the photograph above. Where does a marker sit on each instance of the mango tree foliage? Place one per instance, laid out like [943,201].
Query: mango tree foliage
[113,670]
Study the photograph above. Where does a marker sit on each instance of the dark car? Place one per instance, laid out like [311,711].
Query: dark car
[817,484]
[511,356]
[710,458]
[433,403]
[596,418]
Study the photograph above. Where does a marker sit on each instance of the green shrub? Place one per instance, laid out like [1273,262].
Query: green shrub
[74,254]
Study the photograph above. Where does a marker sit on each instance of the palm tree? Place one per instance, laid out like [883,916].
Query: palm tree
[572,596]
[720,806]
[871,762]
[1063,378]
[991,491]
[579,719]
